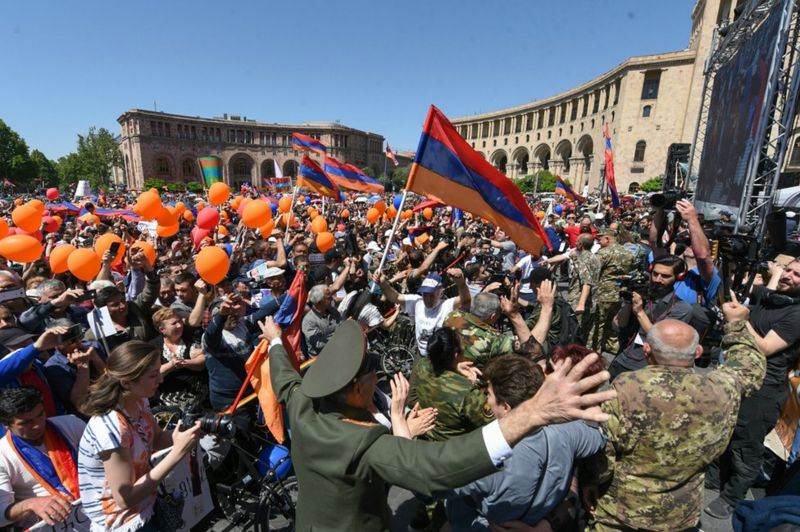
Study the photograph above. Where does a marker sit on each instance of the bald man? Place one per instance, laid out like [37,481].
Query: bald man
[668,422]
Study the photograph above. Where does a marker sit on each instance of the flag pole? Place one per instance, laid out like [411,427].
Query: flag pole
[291,209]
[411,175]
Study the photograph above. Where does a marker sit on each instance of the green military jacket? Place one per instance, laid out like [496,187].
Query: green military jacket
[343,459]
[480,342]
[666,425]
[461,407]
[584,269]
[615,262]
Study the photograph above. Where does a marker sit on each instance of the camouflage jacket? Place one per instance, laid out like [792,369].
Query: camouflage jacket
[666,426]
[461,406]
[532,317]
[479,340]
[615,261]
[584,269]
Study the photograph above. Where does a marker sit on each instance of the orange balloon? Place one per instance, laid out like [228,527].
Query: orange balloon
[27,218]
[266,229]
[319,225]
[21,248]
[212,264]
[59,256]
[284,204]
[149,204]
[313,215]
[200,205]
[18,202]
[180,207]
[147,249]
[168,216]
[38,205]
[83,263]
[236,201]
[381,206]
[373,215]
[256,214]
[427,212]
[90,219]
[540,215]
[4,227]
[188,216]
[288,218]
[325,241]
[165,231]
[218,193]
[103,244]
[345,214]
[391,212]
[222,230]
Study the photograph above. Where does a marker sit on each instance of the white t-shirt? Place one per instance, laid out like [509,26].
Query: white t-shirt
[16,482]
[426,320]
[525,266]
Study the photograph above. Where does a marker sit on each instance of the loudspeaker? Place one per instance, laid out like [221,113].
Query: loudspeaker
[676,153]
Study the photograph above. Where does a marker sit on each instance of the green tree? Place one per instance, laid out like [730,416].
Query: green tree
[45,168]
[154,182]
[396,180]
[194,187]
[15,162]
[369,171]
[654,184]
[97,154]
[542,181]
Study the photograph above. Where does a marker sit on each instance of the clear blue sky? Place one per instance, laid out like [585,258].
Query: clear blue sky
[373,64]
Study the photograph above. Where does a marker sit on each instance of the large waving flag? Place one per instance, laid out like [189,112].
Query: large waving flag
[302,142]
[211,168]
[350,177]
[314,179]
[262,385]
[290,315]
[447,169]
[609,156]
[563,189]
[390,154]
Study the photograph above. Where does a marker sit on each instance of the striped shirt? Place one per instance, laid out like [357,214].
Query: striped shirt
[106,433]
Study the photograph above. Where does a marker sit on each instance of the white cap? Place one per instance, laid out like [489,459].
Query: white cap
[388,232]
[373,246]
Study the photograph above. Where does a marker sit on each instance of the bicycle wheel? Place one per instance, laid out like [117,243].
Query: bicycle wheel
[397,359]
[276,511]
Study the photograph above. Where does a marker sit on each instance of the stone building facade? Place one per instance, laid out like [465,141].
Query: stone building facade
[167,146]
[649,102]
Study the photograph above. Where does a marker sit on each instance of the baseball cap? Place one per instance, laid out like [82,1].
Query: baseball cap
[14,336]
[373,246]
[431,284]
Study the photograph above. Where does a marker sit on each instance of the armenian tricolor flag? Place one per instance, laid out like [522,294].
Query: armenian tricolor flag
[302,142]
[348,176]
[609,156]
[211,168]
[314,179]
[565,190]
[390,154]
[447,169]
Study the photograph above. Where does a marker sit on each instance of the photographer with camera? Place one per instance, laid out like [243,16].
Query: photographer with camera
[650,304]
[55,302]
[118,485]
[774,319]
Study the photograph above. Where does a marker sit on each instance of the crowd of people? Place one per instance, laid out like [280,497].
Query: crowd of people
[598,385]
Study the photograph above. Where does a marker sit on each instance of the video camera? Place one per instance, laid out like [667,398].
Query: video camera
[667,199]
[637,281]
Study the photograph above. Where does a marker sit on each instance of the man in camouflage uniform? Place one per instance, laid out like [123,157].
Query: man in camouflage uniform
[584,275]
[480,341]
[668,423]
[615,262]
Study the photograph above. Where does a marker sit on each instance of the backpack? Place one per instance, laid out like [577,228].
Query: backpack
[570,332]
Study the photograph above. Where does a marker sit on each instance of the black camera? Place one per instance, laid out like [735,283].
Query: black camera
[667,199]
[635,282]
[210,423]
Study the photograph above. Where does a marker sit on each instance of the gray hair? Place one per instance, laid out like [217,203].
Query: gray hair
[60,322]
[12,276]
[667,349]
[51,284]
[317,293]
[484,305]
[167,281]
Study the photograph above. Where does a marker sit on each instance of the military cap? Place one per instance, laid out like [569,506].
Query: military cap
[607,231]
[338,363]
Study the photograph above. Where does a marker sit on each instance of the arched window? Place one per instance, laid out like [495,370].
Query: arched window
[646,111]
[638,155]
[188,168]
[162,166]
[795,161]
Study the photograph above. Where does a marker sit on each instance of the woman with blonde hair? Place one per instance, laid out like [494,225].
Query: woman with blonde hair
[117,483]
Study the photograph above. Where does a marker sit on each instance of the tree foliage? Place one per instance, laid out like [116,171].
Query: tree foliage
[396,180]
[194,187]
[95,158]
[15,161]
[154,182]
[546,182]
[654,184]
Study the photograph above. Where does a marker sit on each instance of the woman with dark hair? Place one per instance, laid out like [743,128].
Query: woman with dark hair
[117,484]
[437,382]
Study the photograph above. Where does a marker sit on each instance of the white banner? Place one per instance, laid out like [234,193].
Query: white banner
[189,483]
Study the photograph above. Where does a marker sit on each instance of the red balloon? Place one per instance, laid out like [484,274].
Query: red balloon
[208,218]
[52,194]
[198,235]
[50,224]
